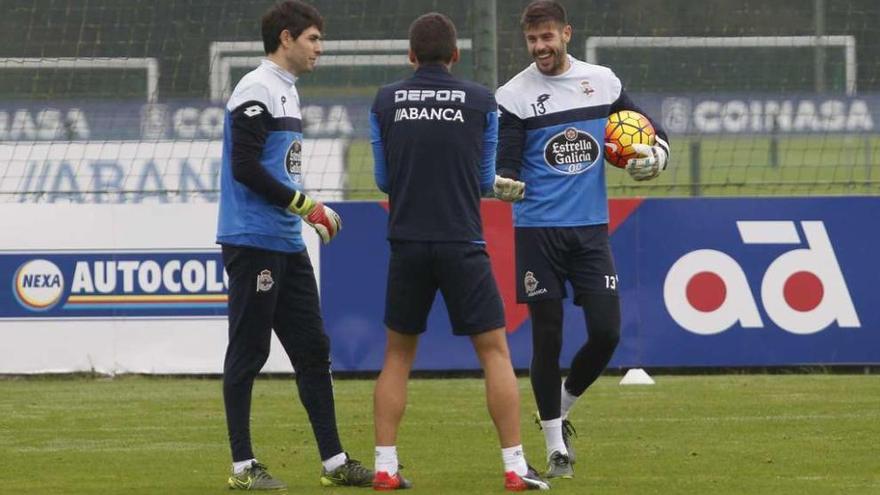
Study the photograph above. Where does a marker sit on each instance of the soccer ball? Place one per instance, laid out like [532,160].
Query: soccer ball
[623,129]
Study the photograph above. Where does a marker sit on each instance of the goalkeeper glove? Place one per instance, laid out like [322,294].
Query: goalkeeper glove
[651,161]
[508,189]
[323,219]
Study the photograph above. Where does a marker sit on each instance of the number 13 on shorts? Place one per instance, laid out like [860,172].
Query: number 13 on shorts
[611,282]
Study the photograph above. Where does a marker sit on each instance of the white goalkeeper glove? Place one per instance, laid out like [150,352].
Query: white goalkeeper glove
[651,161]
[508,189]
[323,219]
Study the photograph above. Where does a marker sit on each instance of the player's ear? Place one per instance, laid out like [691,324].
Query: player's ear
[412,58]
[456,56]
[285,37]
[566,33]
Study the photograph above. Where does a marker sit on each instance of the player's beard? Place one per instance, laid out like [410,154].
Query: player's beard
[556,62]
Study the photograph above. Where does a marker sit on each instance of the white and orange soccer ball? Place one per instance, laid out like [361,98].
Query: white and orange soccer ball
[623,129]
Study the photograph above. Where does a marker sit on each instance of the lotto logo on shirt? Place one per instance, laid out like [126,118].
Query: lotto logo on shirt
[107,285]
[572,151]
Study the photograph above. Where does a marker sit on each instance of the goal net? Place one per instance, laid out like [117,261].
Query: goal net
[123,102]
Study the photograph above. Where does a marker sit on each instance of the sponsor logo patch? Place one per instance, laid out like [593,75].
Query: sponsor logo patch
[450,95]
[531,285]
[293,160]
[572,151]
[436,113]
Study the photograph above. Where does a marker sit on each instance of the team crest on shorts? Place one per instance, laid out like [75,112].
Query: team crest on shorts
[531,285]
[264,281]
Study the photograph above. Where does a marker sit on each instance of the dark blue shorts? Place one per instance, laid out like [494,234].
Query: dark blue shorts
[547,257]
[462,273]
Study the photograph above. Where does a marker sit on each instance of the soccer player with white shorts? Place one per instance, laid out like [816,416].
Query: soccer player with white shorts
[551,137]
[434,139]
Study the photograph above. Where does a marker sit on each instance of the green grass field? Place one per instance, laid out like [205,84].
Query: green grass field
[744,166]
[744,434]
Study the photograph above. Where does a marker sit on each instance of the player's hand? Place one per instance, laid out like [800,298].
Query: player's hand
[508,189]
[325,221]
[651,161]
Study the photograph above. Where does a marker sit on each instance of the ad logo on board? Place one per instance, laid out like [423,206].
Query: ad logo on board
[114,284]
[38,284]
[803,291]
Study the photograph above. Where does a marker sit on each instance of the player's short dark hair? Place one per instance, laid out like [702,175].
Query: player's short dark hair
[541,11]
[432,38]
[292,15]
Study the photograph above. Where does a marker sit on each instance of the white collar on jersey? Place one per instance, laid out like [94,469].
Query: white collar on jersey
[278,71]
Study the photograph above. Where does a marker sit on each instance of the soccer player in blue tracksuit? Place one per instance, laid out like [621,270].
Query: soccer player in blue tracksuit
[434,139]
[271,280]
[551,136]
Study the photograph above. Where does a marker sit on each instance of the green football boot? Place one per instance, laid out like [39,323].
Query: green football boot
[255,477]
[352,473]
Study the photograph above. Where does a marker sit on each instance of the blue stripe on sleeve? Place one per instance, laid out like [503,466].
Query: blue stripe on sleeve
[490,143]
[380,168]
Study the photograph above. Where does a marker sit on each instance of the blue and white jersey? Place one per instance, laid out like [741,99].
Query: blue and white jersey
[262,162]
[553,132]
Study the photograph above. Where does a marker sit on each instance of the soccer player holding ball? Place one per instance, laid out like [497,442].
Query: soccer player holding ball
[434,139]
[271,280]
[551,137]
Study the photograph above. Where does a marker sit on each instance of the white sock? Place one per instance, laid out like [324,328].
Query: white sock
[568,401]
[239,467]
[335,461]
[515,460]
[386,459]
[553,436]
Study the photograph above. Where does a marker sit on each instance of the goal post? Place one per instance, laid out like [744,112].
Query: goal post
[337,53]
[150,65]
[847,43]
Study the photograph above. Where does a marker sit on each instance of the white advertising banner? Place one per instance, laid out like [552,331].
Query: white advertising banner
[143,171]
[116,288]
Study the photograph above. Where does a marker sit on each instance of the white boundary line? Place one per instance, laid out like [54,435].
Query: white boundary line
[848,43]
[150,64]
[220,64]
